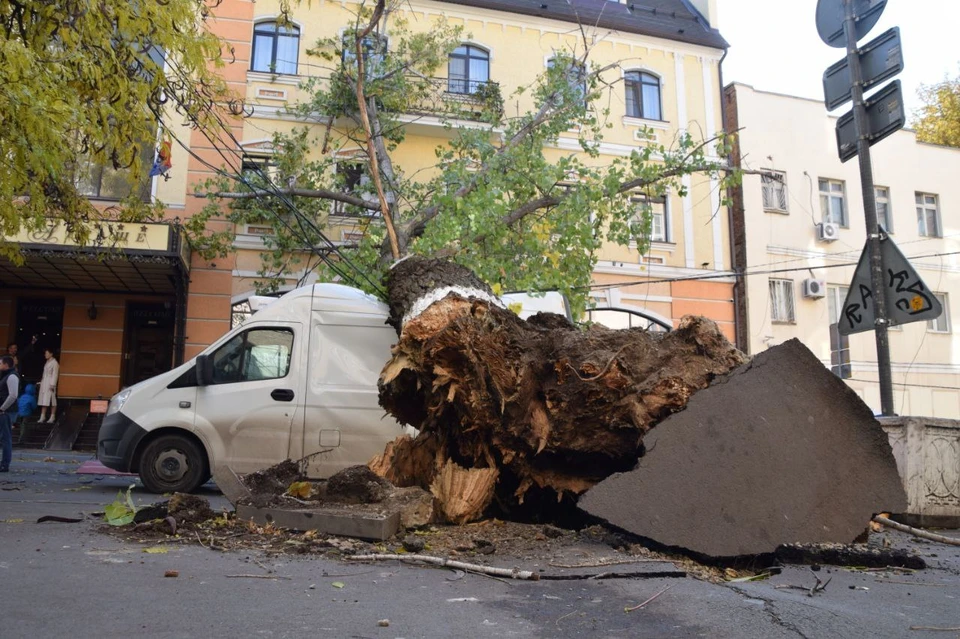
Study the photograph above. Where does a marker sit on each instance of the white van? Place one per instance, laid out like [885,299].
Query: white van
[298,378]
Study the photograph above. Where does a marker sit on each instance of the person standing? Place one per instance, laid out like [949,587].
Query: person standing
[48,387]
[12,350]
[9,389]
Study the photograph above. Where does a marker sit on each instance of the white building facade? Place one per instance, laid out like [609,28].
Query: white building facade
[799,231]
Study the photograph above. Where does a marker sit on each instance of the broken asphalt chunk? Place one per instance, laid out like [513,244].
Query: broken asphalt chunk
[779,451]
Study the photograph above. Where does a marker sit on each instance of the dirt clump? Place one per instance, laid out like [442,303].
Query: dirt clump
[268,484]
[189,509]
[357,485]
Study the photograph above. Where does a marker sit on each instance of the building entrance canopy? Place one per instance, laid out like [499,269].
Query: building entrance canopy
[117,258]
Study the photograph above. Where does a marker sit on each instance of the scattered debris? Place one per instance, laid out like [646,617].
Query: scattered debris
[640,606]
[916,532]
[412,543]
[122,511]
[817,587]
[510,573]
[936,629]
[274,577]
[746,466]
[63,520]
[171,573]
[338,584]
[383,623]
[357,485]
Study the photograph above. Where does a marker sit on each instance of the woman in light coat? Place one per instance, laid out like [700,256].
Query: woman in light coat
[48,387]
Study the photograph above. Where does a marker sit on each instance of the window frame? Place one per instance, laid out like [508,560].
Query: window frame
[829,194]
[274,44]
[944,300]
[469,84]
[887,222]
[370,42]
[245,352]
[765,181]
[634,86]
[922,209]
[580,76]
[790,288]
[640,201]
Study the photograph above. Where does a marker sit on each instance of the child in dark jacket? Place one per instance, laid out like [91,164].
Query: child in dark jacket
[27,402]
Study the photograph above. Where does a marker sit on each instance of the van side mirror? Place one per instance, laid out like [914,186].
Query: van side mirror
[204,370]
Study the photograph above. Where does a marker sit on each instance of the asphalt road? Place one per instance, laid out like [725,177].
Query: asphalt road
[66,580]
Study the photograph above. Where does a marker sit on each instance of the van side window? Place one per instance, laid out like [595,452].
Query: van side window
[256,354]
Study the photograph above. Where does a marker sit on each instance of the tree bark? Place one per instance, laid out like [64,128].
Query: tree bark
[548,408]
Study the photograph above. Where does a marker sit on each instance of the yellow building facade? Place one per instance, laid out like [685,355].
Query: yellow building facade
[139,301]
[675,53]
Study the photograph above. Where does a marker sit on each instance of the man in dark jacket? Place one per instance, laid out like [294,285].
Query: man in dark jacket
[9,389]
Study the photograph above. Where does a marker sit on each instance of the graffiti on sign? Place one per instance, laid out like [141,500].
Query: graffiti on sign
[908,298]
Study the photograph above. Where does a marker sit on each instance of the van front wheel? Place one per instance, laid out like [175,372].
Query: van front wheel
[173,464]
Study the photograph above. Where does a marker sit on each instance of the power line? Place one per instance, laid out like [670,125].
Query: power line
[873,381]
[728,274]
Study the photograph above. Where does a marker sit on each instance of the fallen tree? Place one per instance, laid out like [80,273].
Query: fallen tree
[518,410]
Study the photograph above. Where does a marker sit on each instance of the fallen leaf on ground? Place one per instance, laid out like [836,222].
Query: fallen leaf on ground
[301,489]
[13,521]
[337,584]
[156,550]
[171,573]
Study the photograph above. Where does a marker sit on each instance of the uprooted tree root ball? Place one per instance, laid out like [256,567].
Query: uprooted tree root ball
[524,411]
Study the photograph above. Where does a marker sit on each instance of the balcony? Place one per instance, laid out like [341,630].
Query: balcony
[457,98]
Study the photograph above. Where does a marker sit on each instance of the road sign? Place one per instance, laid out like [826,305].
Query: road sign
[880,60]
[830,14]
[885,115]
[908,298]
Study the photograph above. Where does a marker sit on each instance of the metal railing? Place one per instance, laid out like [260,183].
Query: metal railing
[453,97]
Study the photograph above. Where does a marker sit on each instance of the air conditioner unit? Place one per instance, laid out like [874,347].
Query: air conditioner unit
[828,232]
[814,289]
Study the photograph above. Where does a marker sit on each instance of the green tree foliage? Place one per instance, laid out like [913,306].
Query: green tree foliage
[497,200]
[83,89]
[939,119]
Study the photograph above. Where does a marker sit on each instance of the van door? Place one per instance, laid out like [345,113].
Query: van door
[344,424]
[255,396]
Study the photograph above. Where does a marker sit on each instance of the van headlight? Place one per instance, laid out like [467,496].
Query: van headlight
[117,401]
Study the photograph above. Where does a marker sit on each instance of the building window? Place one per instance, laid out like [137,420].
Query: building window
[832,202]
[576,76]
[374,49]
[781,301]
[643,95]
[275,48]
[467,69]
[928,215]
[656,208]
[353,176]
[884,213]
[774,184]
[104,182]
[839,344]
[942,323]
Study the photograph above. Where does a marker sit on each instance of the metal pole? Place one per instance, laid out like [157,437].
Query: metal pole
[870,211]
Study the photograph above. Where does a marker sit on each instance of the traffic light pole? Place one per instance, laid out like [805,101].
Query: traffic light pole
[870,211]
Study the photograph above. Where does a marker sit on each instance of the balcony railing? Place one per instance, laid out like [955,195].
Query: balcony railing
[458,98]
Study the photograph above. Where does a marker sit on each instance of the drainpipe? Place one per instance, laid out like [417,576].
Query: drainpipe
[733,248]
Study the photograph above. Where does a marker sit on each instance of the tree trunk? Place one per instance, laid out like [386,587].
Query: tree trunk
[548,408]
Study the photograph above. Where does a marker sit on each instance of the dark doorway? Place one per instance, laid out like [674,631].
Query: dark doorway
[41,317]
[149,344]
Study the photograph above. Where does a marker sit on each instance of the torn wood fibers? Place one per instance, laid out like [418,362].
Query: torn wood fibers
[520,411]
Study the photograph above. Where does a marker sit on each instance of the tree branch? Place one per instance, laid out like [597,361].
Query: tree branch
[368,129]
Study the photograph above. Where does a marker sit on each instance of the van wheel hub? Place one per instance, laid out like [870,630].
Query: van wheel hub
[171,465]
